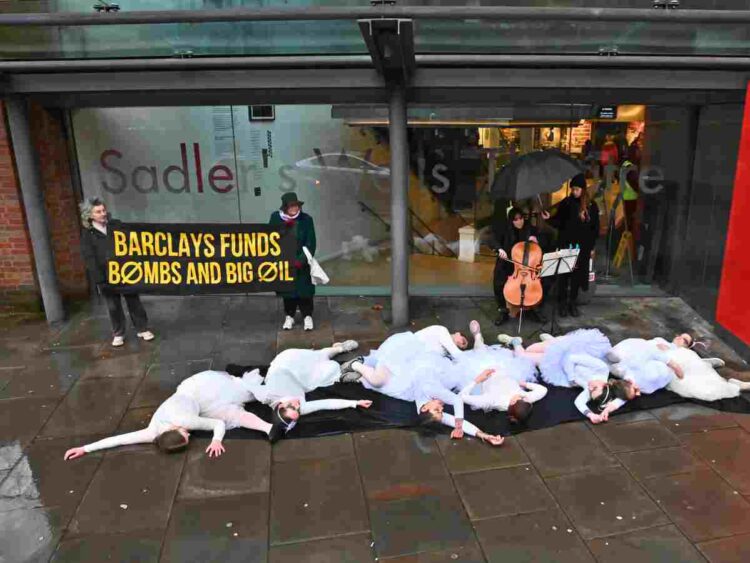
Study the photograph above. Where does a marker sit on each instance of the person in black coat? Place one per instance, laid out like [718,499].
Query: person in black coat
[95,248]
[506,236]
[291,216]
[577,223]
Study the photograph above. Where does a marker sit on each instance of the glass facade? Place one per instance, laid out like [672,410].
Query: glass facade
[338,37]
[233,164]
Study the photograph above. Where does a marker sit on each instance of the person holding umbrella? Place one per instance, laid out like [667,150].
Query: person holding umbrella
[577,223]
[527,177]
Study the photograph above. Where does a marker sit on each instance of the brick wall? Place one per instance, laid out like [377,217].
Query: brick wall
[17,279]
[18,285]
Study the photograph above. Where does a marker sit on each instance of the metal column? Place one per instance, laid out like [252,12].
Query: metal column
[399,204]
[29,176]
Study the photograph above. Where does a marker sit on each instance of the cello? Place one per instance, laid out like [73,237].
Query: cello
[523,288]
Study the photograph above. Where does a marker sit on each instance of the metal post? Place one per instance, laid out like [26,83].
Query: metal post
[399,204]
[27,165]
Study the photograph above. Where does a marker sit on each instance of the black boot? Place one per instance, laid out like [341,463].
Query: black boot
[501,318]
[574,312]
[562,310]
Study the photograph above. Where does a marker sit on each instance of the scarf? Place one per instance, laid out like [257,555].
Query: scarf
[289,218]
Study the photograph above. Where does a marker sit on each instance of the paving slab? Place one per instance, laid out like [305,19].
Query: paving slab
[42,478]
[135,419]
[469,552]
[469,454]
[243,468]
[701,504]
[394,462]
[143,547]
[327,447]
[30,535]
[653,545]
[563,449]
[501,492]
[130,365]
[735,549]
[660,462]
[727,452]
[316,499]
[633,436]
[221,529]
[161,380]
[20,421]
[51,374]
[91,407]
[432,521]
[605,501]
[686,418]
[131,491]
[260,352]
[545,536]
[355,548]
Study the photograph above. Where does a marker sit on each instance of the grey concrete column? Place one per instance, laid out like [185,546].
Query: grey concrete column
[29,176]
[399,205]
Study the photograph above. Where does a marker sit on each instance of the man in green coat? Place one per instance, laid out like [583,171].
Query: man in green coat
[291,216]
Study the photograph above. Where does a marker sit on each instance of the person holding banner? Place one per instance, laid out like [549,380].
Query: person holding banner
[95,245]
[291,216]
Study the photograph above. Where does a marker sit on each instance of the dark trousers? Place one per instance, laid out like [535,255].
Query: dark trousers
[568,286]
[305,305]
[498,282]
[117,315]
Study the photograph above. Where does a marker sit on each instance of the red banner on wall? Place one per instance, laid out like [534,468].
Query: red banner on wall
[733,306]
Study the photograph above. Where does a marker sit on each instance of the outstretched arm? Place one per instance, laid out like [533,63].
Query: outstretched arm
[145,436]
[308,407]
[472,430]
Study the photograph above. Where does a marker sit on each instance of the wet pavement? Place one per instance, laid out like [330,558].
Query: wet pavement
[667,485]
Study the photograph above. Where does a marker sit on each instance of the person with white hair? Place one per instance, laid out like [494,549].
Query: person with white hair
[95,248]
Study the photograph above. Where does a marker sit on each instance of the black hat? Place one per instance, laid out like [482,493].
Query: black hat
[578,181]
[288,199]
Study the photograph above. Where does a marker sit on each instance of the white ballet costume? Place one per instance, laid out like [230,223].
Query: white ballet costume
[700,380]
[295,372]
[643,363]
[209,400]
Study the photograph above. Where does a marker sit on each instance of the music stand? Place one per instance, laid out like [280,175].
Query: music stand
[562,261]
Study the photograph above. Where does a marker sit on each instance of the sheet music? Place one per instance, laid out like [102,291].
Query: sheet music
[567,258]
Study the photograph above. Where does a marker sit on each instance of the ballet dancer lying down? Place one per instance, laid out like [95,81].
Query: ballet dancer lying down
[576,360]
[209,400]
[509,387]
[213,400]
[401,368]
[295,372]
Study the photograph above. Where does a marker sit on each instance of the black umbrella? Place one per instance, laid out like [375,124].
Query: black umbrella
[535,173]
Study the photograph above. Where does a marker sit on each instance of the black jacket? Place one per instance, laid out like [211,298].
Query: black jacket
[95,248]
[511,236]
[571,229]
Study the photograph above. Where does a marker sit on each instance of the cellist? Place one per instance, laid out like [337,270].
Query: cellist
[517,230]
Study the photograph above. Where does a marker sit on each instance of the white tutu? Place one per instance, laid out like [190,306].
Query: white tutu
[590,341]
[701,381]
